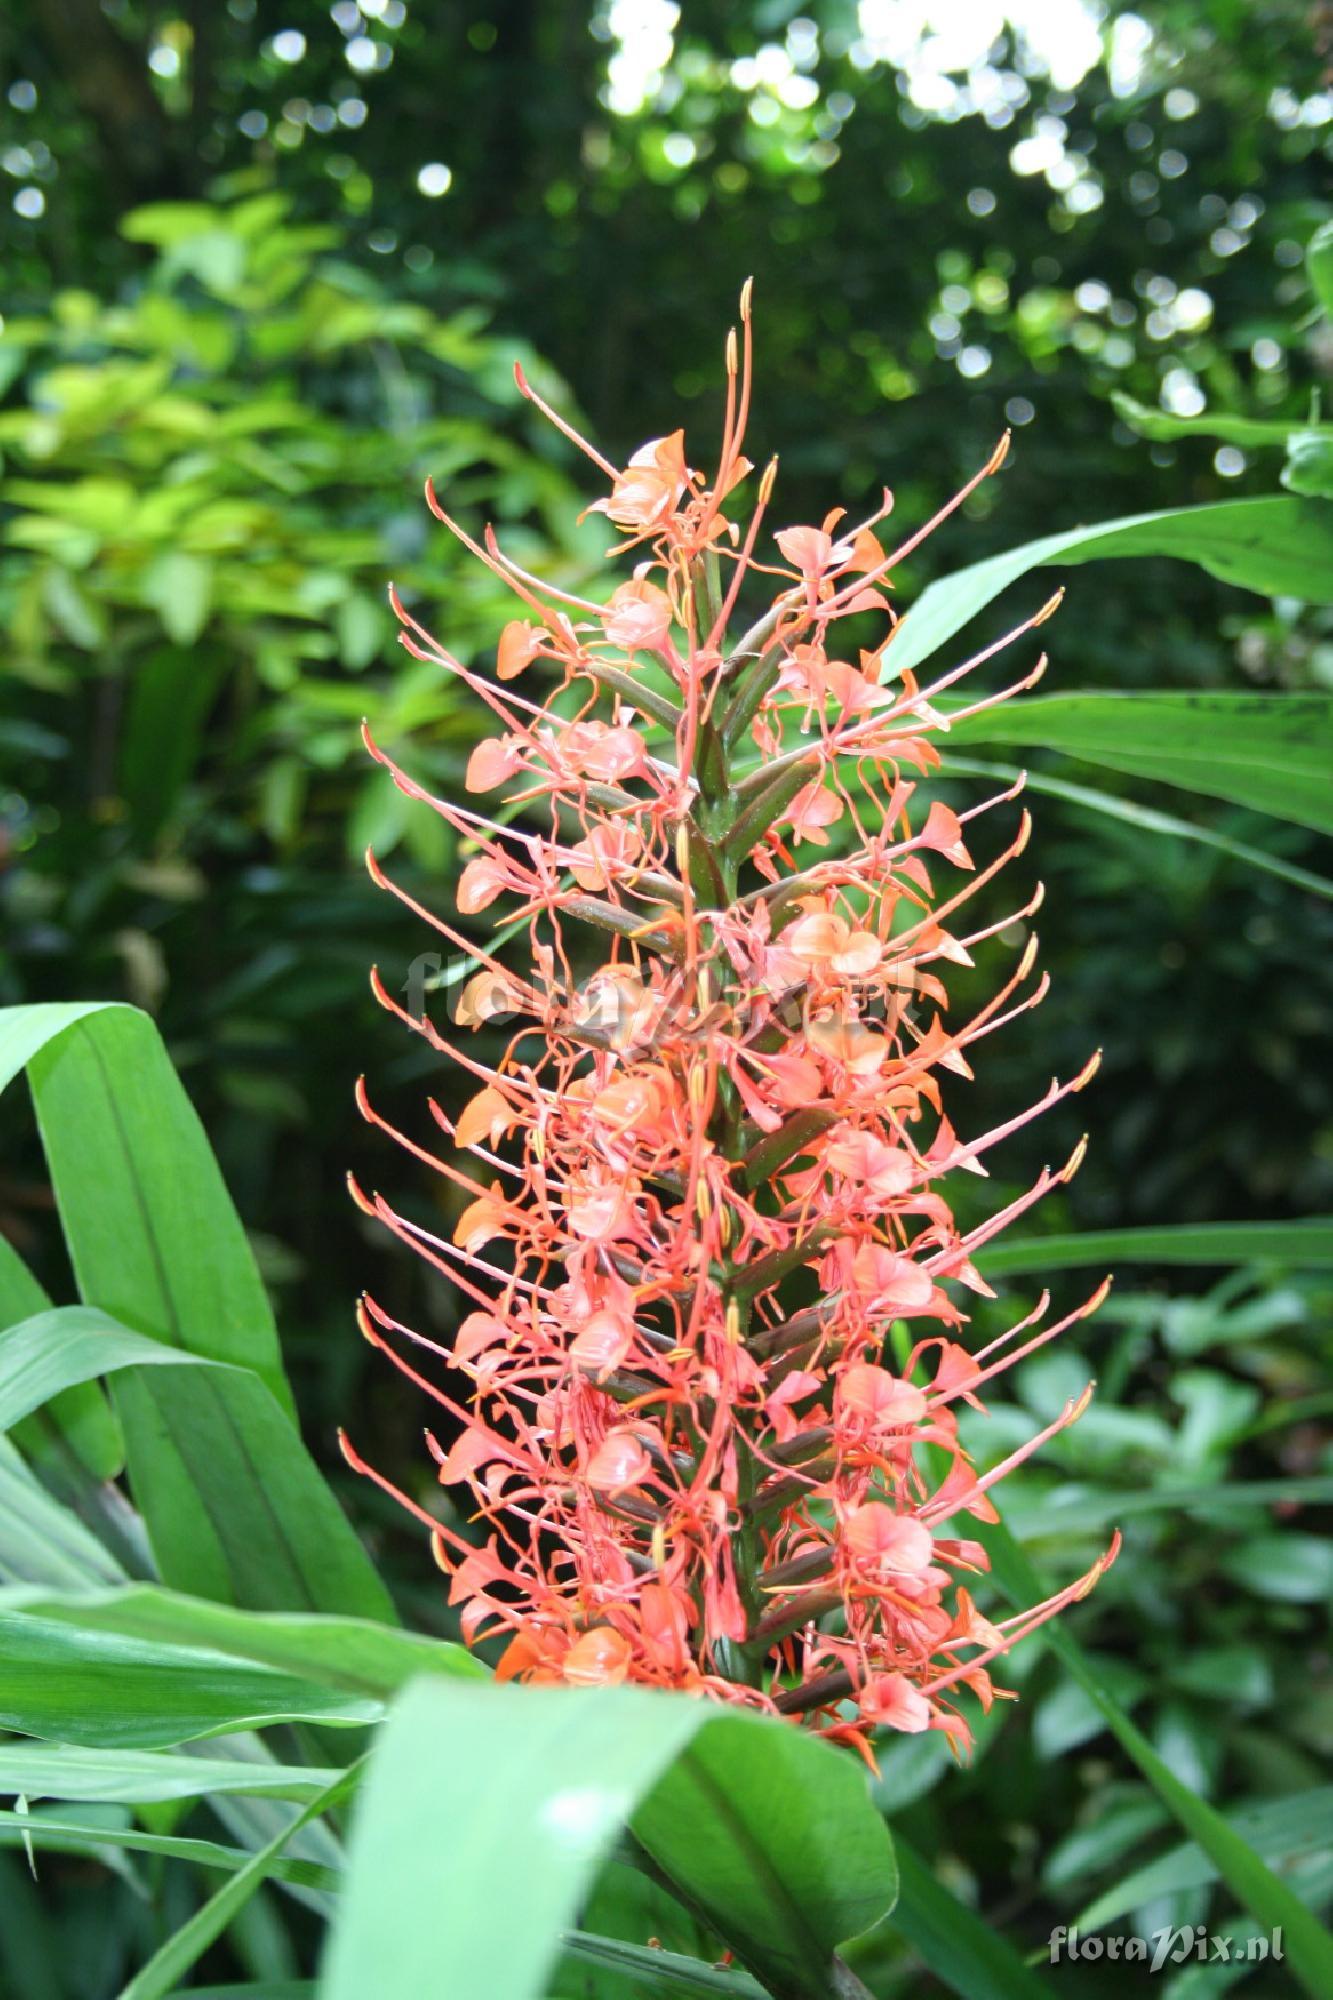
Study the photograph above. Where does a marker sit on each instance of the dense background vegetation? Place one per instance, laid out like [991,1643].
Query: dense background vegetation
[269,267]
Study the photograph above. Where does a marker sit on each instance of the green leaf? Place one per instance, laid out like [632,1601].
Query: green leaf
[1299,1245]
[1280,1830]
[43,1542]
[170,695]
[1281,547]
[660,1975]
[153,1235]
[186,1947]
[140,1777]
[1253,432]
[1058,1516]
[107,1691]
[263,1989]
[969,1955]
[1269,1900]
[44,1355]
[258,1539]
[479,1792]
[355,1656]
[179,587]
[79,1419]
[1292,1568]
[1309,466]
[234,1505]
[1319,265]
[43,1832]
[1270,752]
[1148,819]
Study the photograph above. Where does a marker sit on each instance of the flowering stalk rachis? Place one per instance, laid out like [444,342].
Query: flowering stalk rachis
[705,1175]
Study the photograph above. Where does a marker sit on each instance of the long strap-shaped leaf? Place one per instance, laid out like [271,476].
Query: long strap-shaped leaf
[1280,546]
[353,1657]
[1147,819]
[1271,752]
[235,1507]
[80,1418]
[1269,1900]
[152,1233]
[1304,1245]
[487,1811]
[960,1947]
[173,1959]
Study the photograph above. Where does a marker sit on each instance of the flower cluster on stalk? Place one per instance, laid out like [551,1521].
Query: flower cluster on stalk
[713,1288]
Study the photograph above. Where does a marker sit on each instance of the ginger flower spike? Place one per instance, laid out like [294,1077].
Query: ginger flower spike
[706,1165]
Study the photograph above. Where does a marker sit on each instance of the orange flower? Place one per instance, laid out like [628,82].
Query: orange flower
[717,1161]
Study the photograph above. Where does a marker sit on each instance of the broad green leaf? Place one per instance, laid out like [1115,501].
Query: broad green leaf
[234,1505]
[1148,820]
[42,1832]
[1282,547]
[355,1656]
[1268,1899]
[1281,1830]
[179,587]
[143,1777]
[1299,1245]
[1119,1828]
[1293,1568]
[964,1952]
[1270,752]
[172,1960]
[105,1690]
[781,1852]
[476,1793]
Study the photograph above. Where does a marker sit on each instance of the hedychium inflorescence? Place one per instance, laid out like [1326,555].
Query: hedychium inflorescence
[706,1173]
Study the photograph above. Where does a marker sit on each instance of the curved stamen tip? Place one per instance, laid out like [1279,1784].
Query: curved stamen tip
[999,455]
[747,298]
